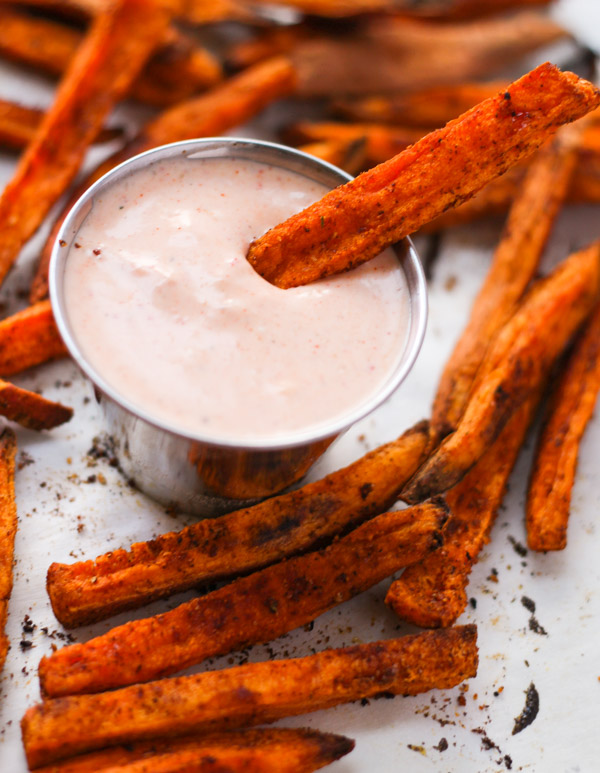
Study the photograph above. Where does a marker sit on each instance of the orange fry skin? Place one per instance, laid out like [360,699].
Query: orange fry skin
[250,694]
[111,55]
[31,410]
[29,337]
[515,262]
[257,608]
[432,594]
[209,115]
[553,472]
[8,529]
[240,542]
[280,750]
[354,222]
[514,367]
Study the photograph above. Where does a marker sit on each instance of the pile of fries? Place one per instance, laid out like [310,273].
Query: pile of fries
[111,703]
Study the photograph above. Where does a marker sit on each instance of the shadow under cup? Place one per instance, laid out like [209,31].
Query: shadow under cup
[198,474]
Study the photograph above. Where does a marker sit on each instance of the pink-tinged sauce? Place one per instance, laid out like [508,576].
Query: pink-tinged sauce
[164,305]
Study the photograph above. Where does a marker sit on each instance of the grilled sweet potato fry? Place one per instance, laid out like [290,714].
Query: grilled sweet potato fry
[432,593]
[227,105]
[553,473]
[250,694]
[240,542]
[253,609]
[515,262]
[354,222]
[349,155]
[177,69]
[113,52]
[31,410]
[8,529]
[29,338]
[513,368]
[264,750]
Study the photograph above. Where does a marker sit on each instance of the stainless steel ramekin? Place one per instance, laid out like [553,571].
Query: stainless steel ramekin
[203,474]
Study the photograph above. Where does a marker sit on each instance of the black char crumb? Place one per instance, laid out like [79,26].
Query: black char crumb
[442,745]
[518,548]
[536,627]
[530,711]
[473,603]
[528,603]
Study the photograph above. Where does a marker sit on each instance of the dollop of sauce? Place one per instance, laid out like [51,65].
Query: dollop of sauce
[165,307]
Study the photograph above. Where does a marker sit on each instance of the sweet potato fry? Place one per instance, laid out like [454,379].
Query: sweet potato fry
[29,338]
[264,750]
[8,529]
[432,593]
[256,608]
[349,155]
[227,105]
[429,108]
[111,55]
[354,222]
[513,368]
[250,694]
[31,410]
[240,542]
[553,473]
[177,69]
[515,262]
[18,125]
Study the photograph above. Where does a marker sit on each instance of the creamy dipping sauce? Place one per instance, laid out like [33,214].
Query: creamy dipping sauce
[164,305]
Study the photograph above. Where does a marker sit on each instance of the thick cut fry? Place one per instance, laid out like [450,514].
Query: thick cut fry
[29,337]
[228,105]
[354,222]
[266,750]
[177,69]
[31,410]
[111,55]
[8,529]
[513,368]
[432,593]
[515,262]
[250,694]
[253,609]
[553,473]
[349,155]
[18,125]
[240,542]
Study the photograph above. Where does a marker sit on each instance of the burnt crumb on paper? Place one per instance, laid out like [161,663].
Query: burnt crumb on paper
[520,549]
[416,748]
[530,711]
[442,745]
[534,624]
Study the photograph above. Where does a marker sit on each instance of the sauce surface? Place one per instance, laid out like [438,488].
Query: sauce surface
[164,305]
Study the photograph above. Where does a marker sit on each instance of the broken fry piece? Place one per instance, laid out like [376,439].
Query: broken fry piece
[8,529]
[240,542]
[257,608]
[29,337]
[264,750]
[250,694]
[229,104]
[432,594]
[553,473]
[31,410]
[111,55]
[356,221]
[515,262]
[513,368]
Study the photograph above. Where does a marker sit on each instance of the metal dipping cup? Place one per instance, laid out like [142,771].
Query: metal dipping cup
[208,475]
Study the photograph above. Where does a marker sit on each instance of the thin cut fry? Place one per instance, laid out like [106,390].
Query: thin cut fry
[253,609]
[553,473]
[227,105]
[265,750]
[354,222]
[8,529]
[240,542]
[432,594]
[177,69]
[18,125]
[111,55]
[513,368]
[29,337]
[250,694]
[349,155]
[31,410]
[514,265]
